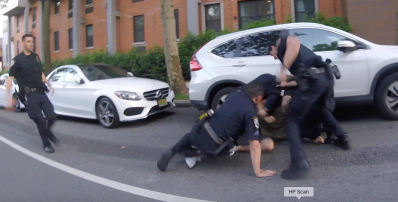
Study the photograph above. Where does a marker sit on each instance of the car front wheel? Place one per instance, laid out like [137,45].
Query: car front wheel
[220,97]
[106,113]
[387,97]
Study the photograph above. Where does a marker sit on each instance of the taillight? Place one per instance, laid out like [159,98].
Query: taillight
[195,65]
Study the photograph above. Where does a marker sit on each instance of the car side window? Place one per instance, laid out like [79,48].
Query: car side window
[226,50]
[258,44]
[58,76]
[69,75]
[320,40]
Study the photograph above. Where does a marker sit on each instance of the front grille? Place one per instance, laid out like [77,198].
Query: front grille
[154,94]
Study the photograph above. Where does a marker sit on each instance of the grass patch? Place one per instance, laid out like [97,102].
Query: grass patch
[181,97]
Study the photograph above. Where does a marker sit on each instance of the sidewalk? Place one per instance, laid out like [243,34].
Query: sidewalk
[183,103]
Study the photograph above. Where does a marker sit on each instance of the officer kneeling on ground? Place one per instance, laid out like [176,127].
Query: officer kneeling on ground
[215,135]
[26,68]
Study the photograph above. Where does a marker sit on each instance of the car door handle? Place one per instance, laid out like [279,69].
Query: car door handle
[239,64]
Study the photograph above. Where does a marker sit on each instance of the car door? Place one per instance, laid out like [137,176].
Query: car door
[353,65]
[76,95]
[57,80]
[253,55]
[3,91]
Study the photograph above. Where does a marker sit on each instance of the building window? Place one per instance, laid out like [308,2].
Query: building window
[34,18]
[213,17]
[134,1]
[70,13]
[34,44]
[89,36]
[17,47]
[56,7]
[304,9]
[139,33]
[70,31]
[177,17]
[56,41]
[250,11]
[17,23]
[89,6]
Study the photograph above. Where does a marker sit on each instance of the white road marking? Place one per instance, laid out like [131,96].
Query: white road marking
[100,180]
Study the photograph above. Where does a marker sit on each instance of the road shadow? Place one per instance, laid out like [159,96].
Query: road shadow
[136,123]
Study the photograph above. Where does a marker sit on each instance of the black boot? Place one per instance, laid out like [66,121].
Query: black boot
[297,170]
[49,149]
[164,160]
[342,141]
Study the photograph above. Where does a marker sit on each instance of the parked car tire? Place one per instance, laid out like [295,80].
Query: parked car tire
[17,106]
[220,97]
[107,113]
[383,93]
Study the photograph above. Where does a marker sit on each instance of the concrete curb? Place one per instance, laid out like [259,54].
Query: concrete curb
[182,103]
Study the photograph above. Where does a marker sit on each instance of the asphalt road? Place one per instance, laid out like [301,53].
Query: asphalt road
[128,155]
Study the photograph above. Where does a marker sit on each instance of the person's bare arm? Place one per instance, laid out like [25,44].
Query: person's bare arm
[255,153]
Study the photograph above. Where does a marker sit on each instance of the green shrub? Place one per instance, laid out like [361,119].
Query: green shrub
[3,72]
[259,23]
[334,21]
[151,64]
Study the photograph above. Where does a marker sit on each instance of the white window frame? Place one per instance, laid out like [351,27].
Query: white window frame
[204,16]
[292,7]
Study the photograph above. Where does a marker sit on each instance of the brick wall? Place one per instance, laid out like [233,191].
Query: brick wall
[151,9]
[373,20]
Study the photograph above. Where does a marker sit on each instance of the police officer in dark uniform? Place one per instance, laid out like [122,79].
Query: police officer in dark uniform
[301,62]
[216,135]
[26,68]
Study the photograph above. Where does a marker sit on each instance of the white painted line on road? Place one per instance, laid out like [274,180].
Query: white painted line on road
[100,180]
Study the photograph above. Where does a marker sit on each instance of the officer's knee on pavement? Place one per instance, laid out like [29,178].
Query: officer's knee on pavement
[267,145]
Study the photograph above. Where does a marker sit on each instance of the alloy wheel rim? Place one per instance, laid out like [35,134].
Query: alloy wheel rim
[221,100]
[392,97]
[106,115]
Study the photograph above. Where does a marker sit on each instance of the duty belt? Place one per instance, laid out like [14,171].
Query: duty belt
[30,90]
[222,144]
[318,70]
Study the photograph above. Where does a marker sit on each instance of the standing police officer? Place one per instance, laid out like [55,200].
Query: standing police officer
[215,135]
[26,68]
[297,58]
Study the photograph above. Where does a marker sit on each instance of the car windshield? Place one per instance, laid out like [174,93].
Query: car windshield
[100,72]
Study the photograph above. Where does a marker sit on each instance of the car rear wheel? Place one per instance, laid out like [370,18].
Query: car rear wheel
[220,97]
[387,97]
[106,113]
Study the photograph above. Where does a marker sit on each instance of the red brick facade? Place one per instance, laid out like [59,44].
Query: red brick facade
[151,9]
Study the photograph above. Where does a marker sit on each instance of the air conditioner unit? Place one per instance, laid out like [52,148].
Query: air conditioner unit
[82,21]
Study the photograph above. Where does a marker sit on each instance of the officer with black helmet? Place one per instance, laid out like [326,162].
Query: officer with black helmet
[216,134]
[313,80]
[26,68]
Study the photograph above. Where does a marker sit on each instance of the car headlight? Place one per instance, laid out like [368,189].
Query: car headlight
[127,95]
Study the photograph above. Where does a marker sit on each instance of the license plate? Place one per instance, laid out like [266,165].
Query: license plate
[162,102]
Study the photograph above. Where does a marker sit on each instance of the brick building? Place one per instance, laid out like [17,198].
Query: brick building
[82,26]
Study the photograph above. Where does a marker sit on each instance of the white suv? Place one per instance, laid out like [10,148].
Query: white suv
[369,71]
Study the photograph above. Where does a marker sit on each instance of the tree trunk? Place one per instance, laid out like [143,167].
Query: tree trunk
[172,59]
[46,36]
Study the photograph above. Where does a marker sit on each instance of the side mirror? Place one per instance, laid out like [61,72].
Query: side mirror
[78,80]
[345,46]
[130,74]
